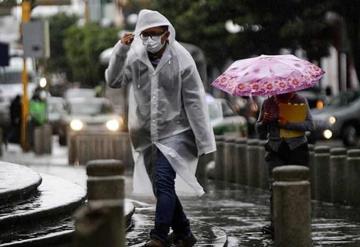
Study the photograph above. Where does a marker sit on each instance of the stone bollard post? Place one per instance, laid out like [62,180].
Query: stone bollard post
[100,223]
[253,162]
[339,175]
[322,165]
[263,172]
[219,158]
[38,145]
[43,139]
[103,168]
[229,158]
[241,160]
[47,138]
[105,179]
[292,206]
[353,161]
[312,168]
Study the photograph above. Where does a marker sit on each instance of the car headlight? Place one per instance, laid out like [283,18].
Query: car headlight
[332,120]
[76,125]
[113,125]
[327,134]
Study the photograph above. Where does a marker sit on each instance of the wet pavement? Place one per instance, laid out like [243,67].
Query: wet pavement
[241,212]
[237,210]
[206,234]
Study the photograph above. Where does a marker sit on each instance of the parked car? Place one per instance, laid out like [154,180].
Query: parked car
[339,119]
[90,115]
[79,93]
[223,119]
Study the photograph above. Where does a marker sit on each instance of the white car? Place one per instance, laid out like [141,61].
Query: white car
[223,119]
[93,115]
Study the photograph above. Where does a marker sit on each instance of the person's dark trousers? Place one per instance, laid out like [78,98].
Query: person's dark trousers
[169,211]
[285,156]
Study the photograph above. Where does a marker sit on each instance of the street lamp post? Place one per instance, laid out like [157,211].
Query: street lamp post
[26,12]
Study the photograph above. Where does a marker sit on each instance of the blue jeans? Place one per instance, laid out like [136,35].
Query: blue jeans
[169,212]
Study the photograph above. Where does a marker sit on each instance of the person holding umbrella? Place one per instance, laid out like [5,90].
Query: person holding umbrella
[285,116]
[287,143]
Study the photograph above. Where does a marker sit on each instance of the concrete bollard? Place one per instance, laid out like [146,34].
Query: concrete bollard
[100,223]
[292,206]
[101,168]
[339,175]
[109,187]
[322,166]
[47,138]
[219,158]
[263,172]
[253,162]
[105,180]
[312,168]
[43,139]
[353,161]
[229,158]
[241,161]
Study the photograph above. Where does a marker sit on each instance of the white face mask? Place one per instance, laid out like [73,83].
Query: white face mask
[153,44]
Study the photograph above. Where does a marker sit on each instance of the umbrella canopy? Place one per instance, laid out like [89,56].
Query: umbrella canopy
[268,75]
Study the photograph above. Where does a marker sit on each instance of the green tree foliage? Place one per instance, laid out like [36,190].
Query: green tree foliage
[83,46]
[58,24]
[266,26]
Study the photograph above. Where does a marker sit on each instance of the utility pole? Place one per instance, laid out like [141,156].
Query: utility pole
[26,12]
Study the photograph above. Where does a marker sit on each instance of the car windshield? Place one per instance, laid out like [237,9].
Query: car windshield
[344,99]
[89,108]
[79,93]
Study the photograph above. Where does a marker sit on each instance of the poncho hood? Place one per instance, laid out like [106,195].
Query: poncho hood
[150,18]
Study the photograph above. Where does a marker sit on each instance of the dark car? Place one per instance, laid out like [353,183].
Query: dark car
[316,98]
[340,118]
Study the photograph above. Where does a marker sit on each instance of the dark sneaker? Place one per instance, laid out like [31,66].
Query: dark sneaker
[268,229]
[186,242]
[154,243]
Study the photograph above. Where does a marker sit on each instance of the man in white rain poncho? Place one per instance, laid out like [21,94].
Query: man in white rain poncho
[168,119]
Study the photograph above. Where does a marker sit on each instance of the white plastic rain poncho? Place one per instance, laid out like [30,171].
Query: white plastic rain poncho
[167,106]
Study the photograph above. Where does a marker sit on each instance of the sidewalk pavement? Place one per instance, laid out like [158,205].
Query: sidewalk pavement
[238,210]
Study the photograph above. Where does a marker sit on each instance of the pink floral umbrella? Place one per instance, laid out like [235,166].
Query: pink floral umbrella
[268,75]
